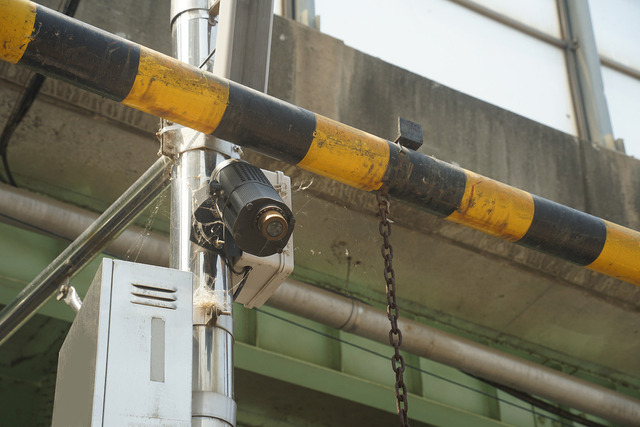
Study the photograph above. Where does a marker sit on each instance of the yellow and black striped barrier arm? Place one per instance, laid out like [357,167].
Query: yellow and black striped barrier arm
[61,47]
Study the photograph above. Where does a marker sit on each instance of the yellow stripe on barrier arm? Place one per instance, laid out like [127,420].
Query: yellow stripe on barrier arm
[16,26]
[620,257]
[346,154]
[179,92]
[494,208]
[168,88]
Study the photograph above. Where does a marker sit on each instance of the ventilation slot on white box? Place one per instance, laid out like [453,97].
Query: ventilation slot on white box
[154,296]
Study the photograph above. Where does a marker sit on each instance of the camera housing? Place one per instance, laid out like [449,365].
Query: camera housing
[259,220]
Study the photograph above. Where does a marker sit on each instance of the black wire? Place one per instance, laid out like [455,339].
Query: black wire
[7,171]
[207,58]
[35,227]
[20,109]
[46,232]
[527,398]
[247,270]
[23,104]
[539,403]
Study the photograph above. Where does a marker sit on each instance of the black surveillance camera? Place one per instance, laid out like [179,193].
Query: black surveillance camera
[252,210]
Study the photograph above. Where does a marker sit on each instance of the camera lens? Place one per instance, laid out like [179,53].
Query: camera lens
[272,224]
[252,210]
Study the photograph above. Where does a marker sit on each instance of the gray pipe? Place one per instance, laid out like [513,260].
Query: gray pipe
[349,315]
[353,316]
[34,212]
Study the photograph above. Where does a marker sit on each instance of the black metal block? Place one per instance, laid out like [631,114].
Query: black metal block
[409,134]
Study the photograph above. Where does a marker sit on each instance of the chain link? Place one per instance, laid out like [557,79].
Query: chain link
[395,336]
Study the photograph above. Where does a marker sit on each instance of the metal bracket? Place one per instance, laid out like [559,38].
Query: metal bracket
[176,139]
[213,316]
[409,134]
[214,10]
[207,228]
[211,306]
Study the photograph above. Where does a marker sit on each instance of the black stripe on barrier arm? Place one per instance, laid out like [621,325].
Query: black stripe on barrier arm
[565,232]
[82,55]
[266,124]
[423,181]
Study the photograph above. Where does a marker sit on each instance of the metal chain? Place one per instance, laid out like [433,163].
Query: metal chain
[395,336]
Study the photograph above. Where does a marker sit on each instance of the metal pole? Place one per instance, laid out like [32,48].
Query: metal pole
[584,71]
[85,247]
[197,154]
[350,315]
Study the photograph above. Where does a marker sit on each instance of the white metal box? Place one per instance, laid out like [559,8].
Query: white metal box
[127,358]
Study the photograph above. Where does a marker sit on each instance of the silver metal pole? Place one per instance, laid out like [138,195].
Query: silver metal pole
[584,72]
[85,247]
[353,316]
[194,38]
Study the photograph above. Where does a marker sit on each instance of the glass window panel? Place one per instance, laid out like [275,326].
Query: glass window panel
[616,25]
[540,14]
[623,100]
[461,49]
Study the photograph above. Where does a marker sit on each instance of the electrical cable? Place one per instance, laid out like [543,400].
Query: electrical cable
[49,233]
[23,104]
[526,397]
[520,395]
[18,112]
[31,227]
[207,58]
[247,270]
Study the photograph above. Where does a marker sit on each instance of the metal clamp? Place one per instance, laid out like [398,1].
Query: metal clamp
[181,6]
[214,11]
[213,405]
[176,139]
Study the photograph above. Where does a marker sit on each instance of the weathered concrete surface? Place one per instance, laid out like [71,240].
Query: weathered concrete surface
[81,148]
[500,291]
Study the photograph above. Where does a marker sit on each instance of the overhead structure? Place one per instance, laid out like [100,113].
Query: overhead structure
[47,42]
[355,317]
[348,314]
